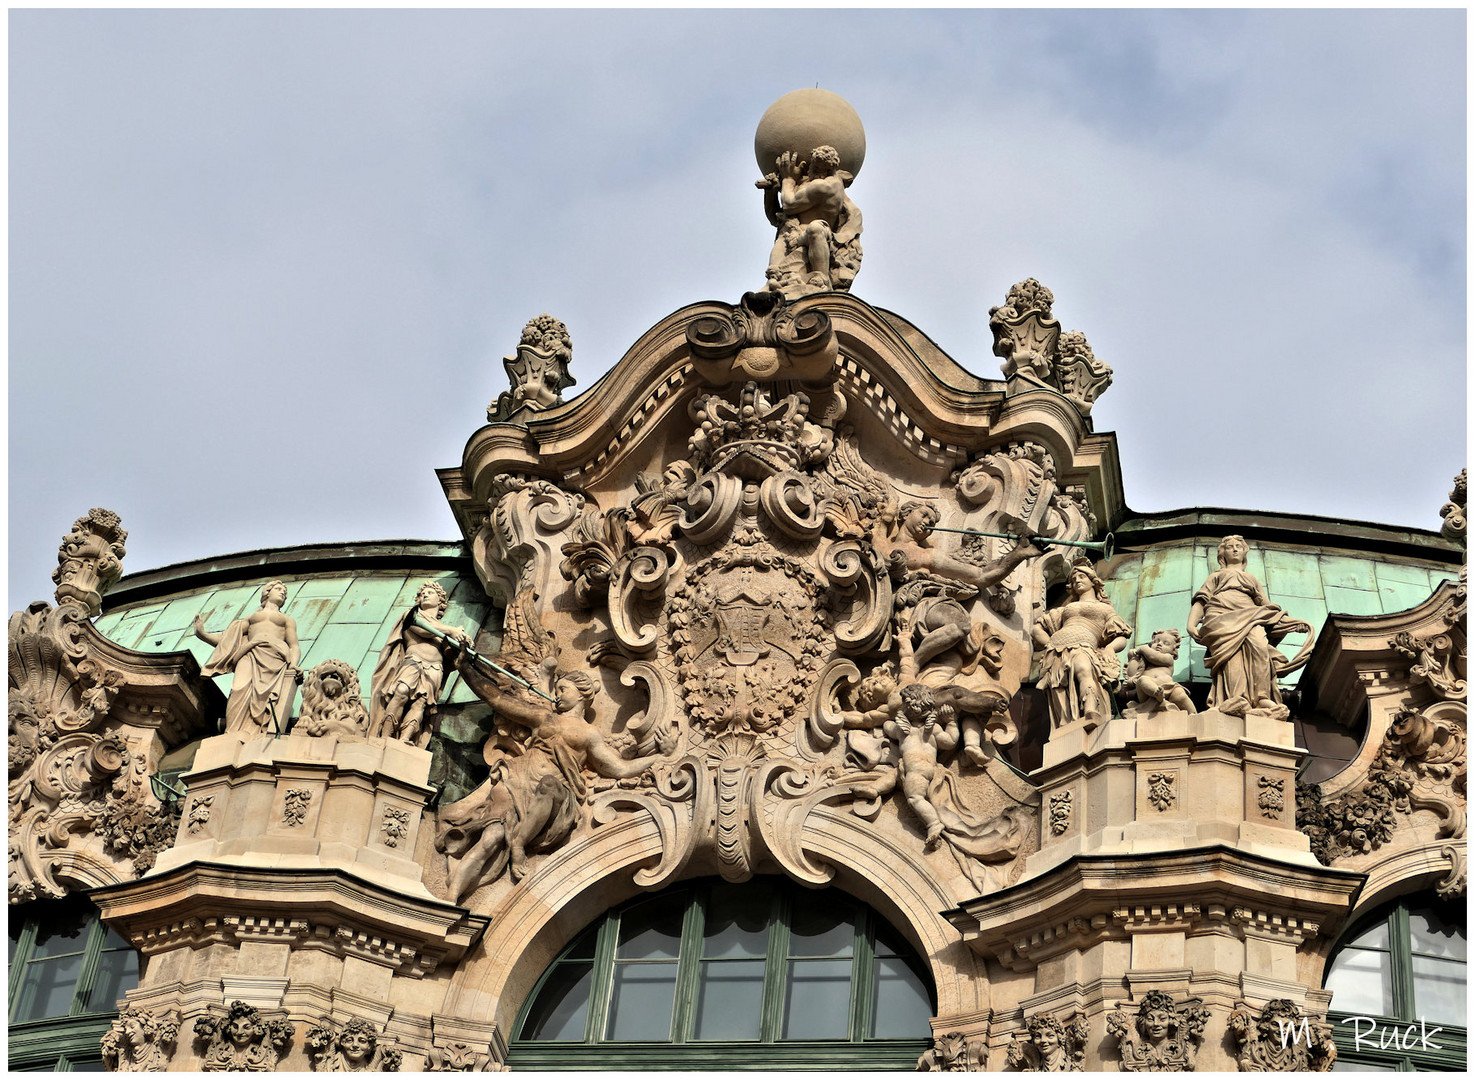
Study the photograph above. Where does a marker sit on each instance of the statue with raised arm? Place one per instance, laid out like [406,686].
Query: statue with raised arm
[530,802]
[261,651]
[817,248]
[908,546]
[411,669]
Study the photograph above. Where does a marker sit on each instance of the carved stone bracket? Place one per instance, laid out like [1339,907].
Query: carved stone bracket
[763,338]
[518,544]
[1049,1044]
[140,1040]
[954,1052]
[242,1038]
[1280,1039]
[1159,1035]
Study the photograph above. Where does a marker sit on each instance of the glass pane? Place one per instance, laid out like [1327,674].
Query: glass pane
[583,948]
[117,970]
[737,922]
[652,930]
[1361,982]
[729,999]
[89,1065]
[562,1005]
[16,926]
[57,937]
[1374,937]
[817,1000]
[827,930]
[640,1002]
[1433,935]
[888,941]
[52,984]
[901,1006]
[1439,990]
[1344,1065]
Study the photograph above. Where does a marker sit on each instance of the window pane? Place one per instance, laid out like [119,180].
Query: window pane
[652,930]
[1361,982]
[562,1005]
[1374,937]
[821,931]
[1433,935]
[583,948]
[16,926]
[901,1007]
[729,999]
[52,984]
[640,1002]
[89,1065]
[817,1000]
[737,922]
[117,970]
[62,935]
[1439,990]
[1344,1065]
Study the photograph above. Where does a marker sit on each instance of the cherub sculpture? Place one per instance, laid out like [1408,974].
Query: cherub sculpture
[408,678]
[1159,1035]
[262,653]
[1147,686]
[331,704]
[818,243]
[530,802]
[1235,621]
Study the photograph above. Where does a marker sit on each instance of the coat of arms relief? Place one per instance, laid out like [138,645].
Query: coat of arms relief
[802,631]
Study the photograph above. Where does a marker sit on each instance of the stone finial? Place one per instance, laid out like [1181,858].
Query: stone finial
[538,370]
[140,1040]
[810,145]
[240,1039]
[1159,1035]
[1280,1039]
[358,1046]
[1453,512]
[90,559]
[954,1052]
[1048,1044]
[1032,346]
[331,704]
[1147,685]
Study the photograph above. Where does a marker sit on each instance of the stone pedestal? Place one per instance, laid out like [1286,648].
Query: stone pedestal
[294,887]
[1169,861]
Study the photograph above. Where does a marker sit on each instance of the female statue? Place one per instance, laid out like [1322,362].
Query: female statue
[1080,640]
[262,652]
[1235,621]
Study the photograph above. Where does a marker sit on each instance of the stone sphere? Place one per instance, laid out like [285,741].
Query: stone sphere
[801,120]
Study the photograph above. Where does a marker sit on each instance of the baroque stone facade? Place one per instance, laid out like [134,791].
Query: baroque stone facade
[790,594]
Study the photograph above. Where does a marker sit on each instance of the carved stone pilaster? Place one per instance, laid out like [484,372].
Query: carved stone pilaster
[1280,1038]
[140,1040]
[242,1038]
[1159,1035]
[90,559]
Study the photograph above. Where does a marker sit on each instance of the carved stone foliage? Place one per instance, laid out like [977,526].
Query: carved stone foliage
[140,1040]
[295,805]
[1159,1035]
[396,825]
[1271,797]
[462,1057]
[1438,658]
[1031,344]
[1280,1039]
[90,559]
[1060,811]
[1160,792]
[1453,512]
[763,338]
[70,774]
[1049,1044]
[331,702]
[954,1052]
[538,370]
[1421,765]
[357,1046]
[241,1039]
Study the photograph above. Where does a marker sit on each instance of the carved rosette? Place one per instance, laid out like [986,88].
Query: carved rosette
[357,1046]
[1280,1039]
[140,1040]
[1049,1044]
[241,1039]
[1159,1035]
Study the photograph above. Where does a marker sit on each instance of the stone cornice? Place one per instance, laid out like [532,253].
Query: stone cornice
[329,909]
[1090,897]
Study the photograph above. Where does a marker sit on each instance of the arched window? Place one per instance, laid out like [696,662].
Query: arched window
[1396,977]
[717,975]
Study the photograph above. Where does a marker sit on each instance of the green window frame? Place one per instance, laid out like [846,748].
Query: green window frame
[67,971]
[1382,969]
[774,948]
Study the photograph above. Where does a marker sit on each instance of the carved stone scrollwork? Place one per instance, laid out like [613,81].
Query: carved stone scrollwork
[140,1040]
[1453,512]
[90,559]
[518,545]
[1082,377]
[636,585]
[538,370]
[863,590]
[461,1057]
[1012,484]
[1280,1039]
[1159,1035]
[1048,1044]
[1438,658]
[358,1046]
[954,1052]
[763,338]
[241,1039]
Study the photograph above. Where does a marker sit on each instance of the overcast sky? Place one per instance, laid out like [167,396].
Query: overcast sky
[264,264]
